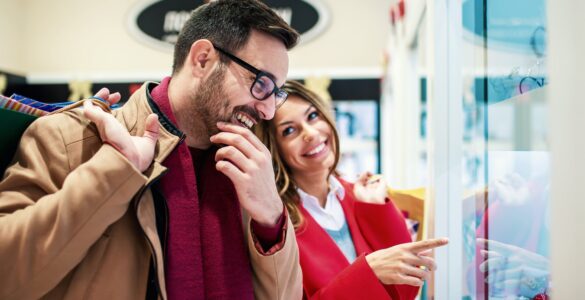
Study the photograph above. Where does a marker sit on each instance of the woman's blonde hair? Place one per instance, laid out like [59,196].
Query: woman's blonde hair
[266,131]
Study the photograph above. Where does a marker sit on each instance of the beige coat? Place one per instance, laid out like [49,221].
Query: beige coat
[77,220]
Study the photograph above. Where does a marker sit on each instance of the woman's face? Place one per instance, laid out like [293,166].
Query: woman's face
[305,140]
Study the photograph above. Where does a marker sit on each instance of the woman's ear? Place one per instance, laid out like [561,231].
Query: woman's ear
[202,57]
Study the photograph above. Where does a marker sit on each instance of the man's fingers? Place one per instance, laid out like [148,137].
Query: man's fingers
[246,133]
[103,93]
[238,141]
[232,154]
[111,98]
[93,113]
[114,98]
[421,246]
[229,170]
[151,129]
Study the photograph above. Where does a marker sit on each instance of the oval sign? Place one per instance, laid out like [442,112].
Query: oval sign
[157,23]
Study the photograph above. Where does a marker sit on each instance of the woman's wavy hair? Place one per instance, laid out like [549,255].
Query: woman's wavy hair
[266,131]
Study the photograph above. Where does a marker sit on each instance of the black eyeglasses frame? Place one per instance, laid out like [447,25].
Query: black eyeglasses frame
[278,92]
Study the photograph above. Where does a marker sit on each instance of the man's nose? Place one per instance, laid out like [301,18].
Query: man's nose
[266,108]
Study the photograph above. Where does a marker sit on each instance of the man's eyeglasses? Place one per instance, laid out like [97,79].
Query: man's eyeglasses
[263,86]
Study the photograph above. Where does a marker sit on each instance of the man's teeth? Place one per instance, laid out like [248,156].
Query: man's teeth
[317,149]
[245,120]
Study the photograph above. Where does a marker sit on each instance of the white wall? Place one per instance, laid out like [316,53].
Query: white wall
[83,38]
[356,37]
[566,44]
[11,36]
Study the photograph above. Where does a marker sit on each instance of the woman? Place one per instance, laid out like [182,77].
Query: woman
[353,241]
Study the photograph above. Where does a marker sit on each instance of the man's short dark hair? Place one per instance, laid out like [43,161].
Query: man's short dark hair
[228,23]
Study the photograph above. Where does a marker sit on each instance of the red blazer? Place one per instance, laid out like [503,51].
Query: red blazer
[326,272]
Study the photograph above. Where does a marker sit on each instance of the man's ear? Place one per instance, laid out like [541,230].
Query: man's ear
[202,57]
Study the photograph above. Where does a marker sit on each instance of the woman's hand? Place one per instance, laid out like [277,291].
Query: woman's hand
[402,263]
[511,270]
[370,189]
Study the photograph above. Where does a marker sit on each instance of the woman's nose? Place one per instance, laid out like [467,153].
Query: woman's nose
[309,133]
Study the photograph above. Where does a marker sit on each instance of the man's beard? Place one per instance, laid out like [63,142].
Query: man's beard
[210,104]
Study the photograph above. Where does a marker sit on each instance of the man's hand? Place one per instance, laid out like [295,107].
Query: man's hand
[138,150]
[248,164]
[401,264]
[112,99]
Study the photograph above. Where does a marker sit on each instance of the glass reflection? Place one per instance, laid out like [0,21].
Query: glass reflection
[506,160]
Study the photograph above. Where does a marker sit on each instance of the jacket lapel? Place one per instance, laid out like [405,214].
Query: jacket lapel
[311,233]
[360,244]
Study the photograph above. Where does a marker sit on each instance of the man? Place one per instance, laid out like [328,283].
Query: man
[128,207]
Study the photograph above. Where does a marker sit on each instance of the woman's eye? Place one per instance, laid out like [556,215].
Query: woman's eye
[287,131]
[313,115]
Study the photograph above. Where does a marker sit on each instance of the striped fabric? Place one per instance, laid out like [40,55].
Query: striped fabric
[37,104]
[14,105]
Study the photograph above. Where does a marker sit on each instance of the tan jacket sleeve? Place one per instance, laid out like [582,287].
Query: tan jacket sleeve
[52,212]
[276,276]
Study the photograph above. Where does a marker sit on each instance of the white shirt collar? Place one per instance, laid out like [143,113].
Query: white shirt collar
[336,187]
[331,216]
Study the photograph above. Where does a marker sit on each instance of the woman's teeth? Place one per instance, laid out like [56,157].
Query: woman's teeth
[317,149]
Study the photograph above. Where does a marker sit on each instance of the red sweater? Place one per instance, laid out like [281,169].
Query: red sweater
[326,272]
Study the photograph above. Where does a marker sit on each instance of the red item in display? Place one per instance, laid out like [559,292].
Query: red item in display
[541,297]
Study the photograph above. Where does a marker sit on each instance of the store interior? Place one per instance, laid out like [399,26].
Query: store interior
[451,101]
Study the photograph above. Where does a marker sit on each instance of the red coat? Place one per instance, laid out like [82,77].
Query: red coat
[326,272]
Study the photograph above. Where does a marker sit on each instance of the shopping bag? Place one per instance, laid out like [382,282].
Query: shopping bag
[13,124]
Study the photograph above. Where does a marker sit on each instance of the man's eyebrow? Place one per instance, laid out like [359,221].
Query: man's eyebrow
[271,77]
[269,74]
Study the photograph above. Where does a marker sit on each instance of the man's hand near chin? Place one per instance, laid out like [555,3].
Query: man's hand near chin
[248,164]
